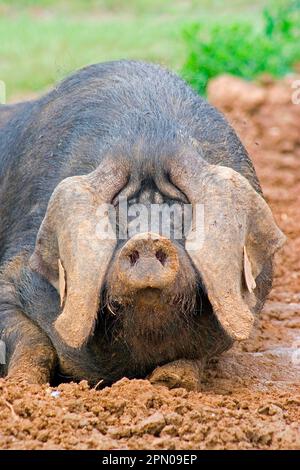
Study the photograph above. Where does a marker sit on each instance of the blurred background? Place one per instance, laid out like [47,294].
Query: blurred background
[41,41]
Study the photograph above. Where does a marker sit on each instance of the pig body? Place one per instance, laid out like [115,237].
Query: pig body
[144,114]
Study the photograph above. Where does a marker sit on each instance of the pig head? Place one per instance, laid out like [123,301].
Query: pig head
[240,237]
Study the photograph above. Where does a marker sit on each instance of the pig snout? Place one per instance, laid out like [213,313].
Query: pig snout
[147,261]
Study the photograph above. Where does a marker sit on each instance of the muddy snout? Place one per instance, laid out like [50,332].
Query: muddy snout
[147,261]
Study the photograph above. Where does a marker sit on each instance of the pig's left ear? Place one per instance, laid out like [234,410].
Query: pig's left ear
[240,236]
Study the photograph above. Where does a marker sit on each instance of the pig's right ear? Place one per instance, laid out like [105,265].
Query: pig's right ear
[71,251]
[241,237]
[235,217]
[264,237]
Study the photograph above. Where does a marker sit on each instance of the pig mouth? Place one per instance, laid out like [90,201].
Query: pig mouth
[155,327]
[151,316]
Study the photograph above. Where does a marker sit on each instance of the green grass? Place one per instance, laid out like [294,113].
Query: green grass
[243,49]
[41,41]
[137,7]
[35,56]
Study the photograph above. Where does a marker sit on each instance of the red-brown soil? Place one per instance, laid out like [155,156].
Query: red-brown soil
[251,398]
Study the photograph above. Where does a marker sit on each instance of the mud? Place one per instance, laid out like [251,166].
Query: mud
[251,398]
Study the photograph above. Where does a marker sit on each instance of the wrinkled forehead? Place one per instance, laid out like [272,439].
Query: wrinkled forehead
[150,169]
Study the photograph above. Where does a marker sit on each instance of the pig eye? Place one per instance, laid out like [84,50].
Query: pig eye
[161,256]
[133,257]
[113,307]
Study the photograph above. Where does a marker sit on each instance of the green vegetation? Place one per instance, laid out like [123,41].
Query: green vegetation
[41,41]
[36,54]
[244,49]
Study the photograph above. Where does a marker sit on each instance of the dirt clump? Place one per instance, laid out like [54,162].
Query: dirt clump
[114,418]
[250,398]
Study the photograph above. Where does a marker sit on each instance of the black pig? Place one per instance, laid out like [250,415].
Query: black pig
[83,306]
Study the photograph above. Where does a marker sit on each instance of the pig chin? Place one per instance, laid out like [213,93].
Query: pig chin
[152,313]
[154,324]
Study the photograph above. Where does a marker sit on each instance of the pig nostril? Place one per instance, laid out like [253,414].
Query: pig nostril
[134,256]
[161,256]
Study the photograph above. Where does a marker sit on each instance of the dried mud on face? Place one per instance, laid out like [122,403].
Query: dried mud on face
[251,398]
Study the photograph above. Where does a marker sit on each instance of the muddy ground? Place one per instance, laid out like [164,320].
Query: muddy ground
[251,398]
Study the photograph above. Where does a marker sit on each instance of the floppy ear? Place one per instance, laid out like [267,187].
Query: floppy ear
[71,251]
[249,278]
[264,238]
[62,282]
[240,236]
